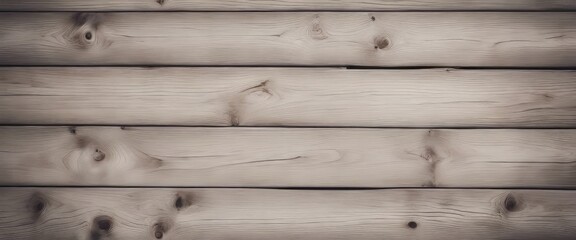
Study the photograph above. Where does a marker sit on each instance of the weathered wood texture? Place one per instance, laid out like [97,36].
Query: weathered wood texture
[280,157]
[289,97]
[234,214]
[283,5]
[501,39]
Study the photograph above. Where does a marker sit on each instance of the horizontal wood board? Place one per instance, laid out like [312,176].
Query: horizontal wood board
[386,39]
[242,214]
[288,97]
[285,5]
[287,157]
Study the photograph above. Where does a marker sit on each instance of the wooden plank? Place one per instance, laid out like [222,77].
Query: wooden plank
[242,214]
[281,157]
[283,5]
[487,39]
[288,97]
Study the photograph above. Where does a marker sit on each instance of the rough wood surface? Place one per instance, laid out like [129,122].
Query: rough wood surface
[487,39]
[283,5]
[240,214]
[289,97]
[287,157]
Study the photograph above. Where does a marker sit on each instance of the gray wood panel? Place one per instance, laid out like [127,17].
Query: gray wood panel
[241,214]
[288,97]
[392,39]
[287,157]
[284,5]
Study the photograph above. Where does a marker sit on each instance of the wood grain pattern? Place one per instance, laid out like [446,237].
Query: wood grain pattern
[288,97]
[287,157]
[241,214]
[282,5]
[487,39]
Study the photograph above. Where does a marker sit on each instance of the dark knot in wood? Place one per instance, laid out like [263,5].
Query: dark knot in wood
[103,223]
[160,228]
[183,200]
[158,234]
[178,204]
[88,36]
[98,155]
[37,205]
[381,43]
[101,227]
[84,32]
[412,224]
[510,203]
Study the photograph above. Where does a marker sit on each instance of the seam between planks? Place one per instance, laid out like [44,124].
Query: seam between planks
[292,188]
[280,127]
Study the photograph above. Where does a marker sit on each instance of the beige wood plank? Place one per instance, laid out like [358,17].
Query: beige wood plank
[242,214]
[287,157]
[283,5]
[288,97]
[486,39]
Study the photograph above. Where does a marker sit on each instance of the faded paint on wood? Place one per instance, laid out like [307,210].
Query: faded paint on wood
[287,157]
[242,214]
[288,97]
[484,39]
[284,5]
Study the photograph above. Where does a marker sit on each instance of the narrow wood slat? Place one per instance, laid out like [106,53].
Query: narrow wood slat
[487,39]
[283,5]
[242,214]
[288,97]
[286,157]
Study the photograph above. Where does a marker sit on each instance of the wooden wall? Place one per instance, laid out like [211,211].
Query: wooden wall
[288,119]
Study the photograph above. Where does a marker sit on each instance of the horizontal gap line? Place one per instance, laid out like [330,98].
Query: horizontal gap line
[560,10]
[465,68]
[272,126]
[297,188]
[351,67]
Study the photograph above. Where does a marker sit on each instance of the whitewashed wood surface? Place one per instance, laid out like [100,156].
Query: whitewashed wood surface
[285,5]
[287,157]
[287,119]
[244,214]
[288,97]
[390,39]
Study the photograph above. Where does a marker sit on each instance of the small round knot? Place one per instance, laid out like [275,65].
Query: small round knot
[412,224]
[178,204]
[373,18]
[98,155]
[37,205]
[103,223]
[158,234]
[316,32]
[182,201]
[510,203]
[381,43]
[88,35]
[159,229]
